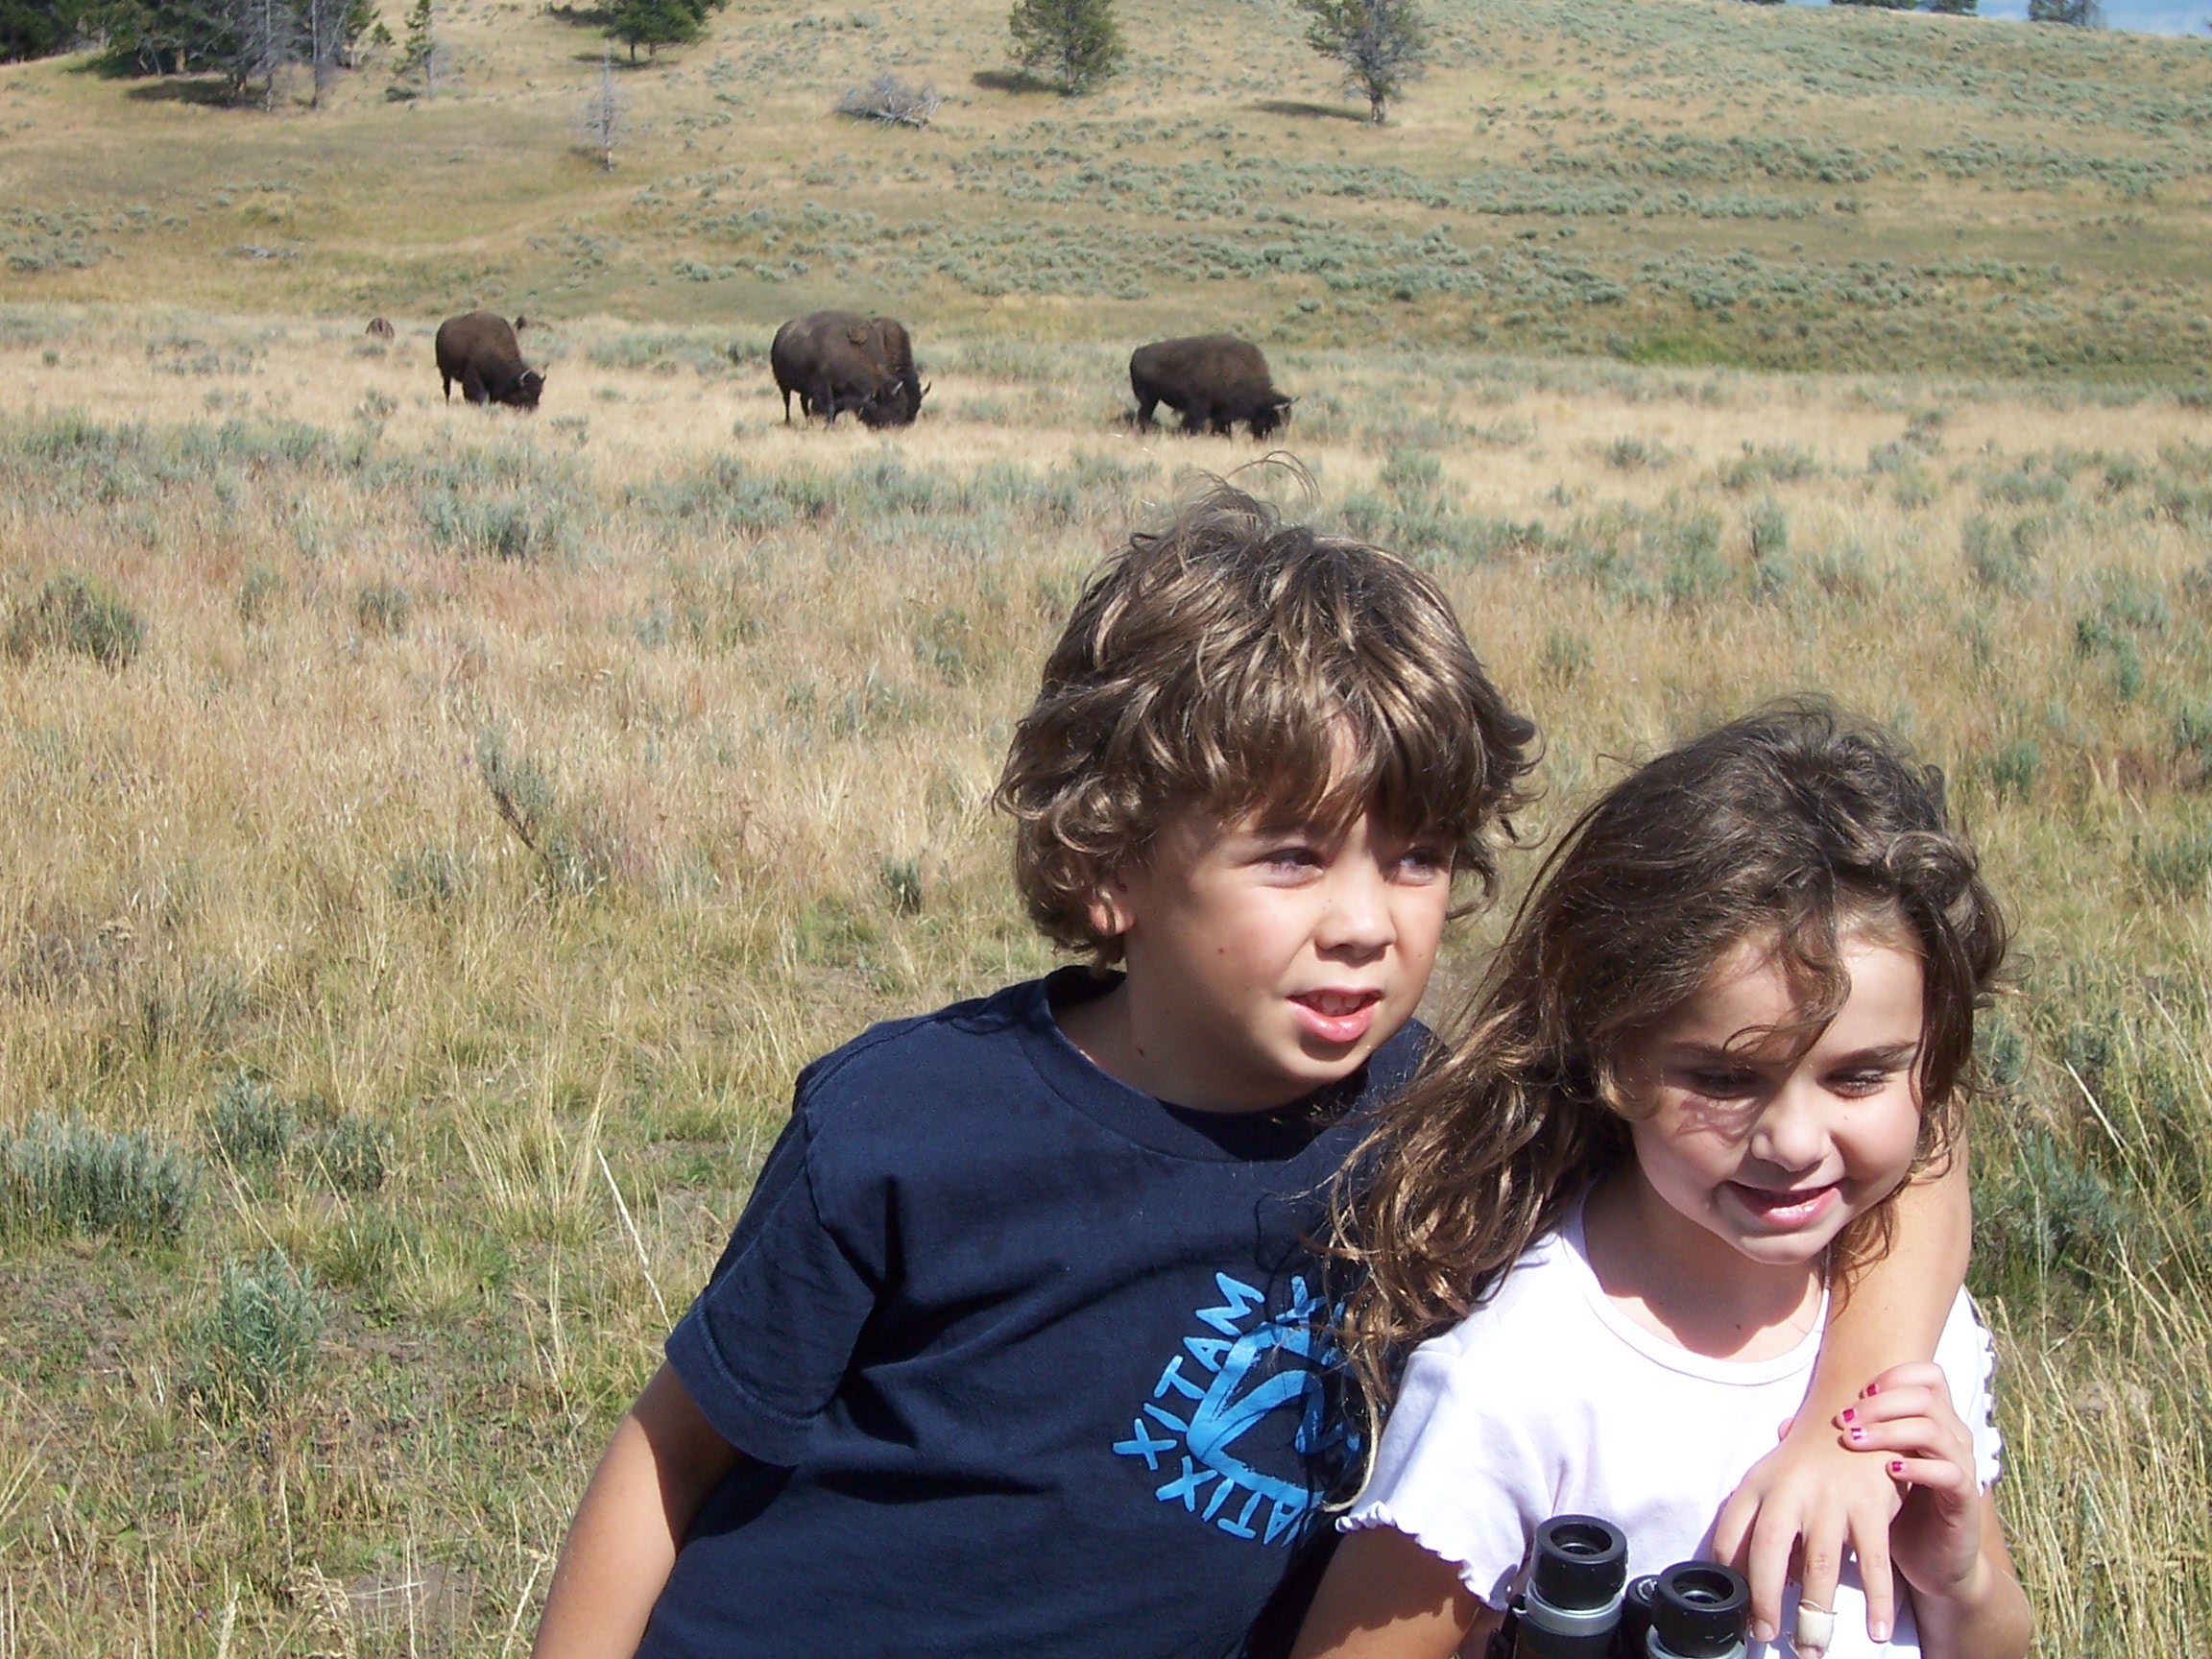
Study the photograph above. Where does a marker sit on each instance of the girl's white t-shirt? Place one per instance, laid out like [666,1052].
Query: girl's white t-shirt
[1548,1400]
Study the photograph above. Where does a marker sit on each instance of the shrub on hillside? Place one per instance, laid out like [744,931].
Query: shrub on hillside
[76,614]
[63,1176]
[257,1339]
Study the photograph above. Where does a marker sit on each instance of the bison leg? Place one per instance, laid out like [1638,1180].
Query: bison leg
[472,386]
[1197,416]
[786,391]
[448,380]
[1144,408]
[825,400]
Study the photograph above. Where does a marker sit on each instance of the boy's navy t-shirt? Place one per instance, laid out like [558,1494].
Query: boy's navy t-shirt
[1026,1361]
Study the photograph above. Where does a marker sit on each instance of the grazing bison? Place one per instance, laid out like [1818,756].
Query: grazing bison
[1216,380]
[523,322]
[381,327]
[478,349]
[840,360]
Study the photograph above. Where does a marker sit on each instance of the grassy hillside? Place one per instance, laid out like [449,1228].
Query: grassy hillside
[1657,181]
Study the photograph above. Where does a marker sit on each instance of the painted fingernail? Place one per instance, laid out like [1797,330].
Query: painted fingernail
[1850,1413]
[1897,1466]
[1871,1389]
[1858,1434]
[1877,1631]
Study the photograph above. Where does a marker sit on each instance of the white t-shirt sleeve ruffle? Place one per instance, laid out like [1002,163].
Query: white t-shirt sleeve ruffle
[1453,1417]
[1970,1359]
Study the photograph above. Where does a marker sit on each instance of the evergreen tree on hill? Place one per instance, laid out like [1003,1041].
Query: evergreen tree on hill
[654,24]
[1381,44]
[36,28]
[1073,43]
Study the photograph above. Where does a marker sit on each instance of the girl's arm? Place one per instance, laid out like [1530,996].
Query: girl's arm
[663,1462]
[1385,1598]
[1813,1485]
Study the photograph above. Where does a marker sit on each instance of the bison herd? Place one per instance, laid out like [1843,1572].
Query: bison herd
[840,362]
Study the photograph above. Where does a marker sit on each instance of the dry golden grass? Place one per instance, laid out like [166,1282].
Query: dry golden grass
[764,676]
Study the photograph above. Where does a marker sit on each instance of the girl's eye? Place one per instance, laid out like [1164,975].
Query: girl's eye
[1720,1084]
[1859,1082]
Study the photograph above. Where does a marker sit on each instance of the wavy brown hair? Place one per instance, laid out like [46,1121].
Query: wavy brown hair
[1240,665]
[1796,824]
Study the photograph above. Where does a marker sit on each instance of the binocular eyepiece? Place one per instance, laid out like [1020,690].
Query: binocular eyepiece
[1579,1603]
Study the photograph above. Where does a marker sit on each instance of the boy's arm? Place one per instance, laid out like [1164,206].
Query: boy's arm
[1813,1486]
[1988,1617]
[663,1462]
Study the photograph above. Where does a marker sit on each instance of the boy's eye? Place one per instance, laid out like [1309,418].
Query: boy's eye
[1423,862]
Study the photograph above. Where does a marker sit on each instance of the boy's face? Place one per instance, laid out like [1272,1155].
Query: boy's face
[1264,963]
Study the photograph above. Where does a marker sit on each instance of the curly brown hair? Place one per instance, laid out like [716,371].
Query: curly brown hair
[1796,824]
[1239,664]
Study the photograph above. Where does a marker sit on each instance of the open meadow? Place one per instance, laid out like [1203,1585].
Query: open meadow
[437,837]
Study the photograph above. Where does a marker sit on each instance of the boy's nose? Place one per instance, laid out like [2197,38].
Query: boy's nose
[1358,915]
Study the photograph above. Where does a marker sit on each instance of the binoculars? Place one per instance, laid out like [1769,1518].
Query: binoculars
[1579,1603]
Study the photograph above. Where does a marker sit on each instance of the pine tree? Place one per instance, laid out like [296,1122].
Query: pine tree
[1381,44]
[654,24]
[420,59]
[1074,42]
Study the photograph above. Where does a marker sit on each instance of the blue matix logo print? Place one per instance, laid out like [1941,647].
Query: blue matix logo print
[1214,1393]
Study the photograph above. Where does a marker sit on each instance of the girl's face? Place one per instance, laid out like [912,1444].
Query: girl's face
[1771,1143]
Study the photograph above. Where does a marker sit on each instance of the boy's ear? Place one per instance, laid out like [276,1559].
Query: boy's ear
[1109,909]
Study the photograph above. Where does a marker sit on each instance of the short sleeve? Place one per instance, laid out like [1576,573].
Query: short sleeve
[1456,1474]
[1969,1360]
[762,1350]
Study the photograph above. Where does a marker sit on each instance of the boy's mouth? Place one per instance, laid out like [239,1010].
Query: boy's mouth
[1337,1017]
[1795,1208]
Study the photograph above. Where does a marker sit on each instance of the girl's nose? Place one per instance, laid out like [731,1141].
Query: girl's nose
[1792,1133]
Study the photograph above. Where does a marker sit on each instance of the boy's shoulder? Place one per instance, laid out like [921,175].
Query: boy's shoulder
[950,1046]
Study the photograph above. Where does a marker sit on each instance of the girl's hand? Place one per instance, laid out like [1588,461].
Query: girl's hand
[1907,1420]
[1809,1497]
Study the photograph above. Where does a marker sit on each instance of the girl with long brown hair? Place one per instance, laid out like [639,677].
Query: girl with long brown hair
[1733,1018]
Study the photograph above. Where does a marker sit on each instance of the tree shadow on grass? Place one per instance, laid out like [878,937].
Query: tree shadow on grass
[209,92]
[1300,107]
[155,85]
[1011,81]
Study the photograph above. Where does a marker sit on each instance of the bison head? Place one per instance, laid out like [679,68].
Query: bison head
[1272,414]
[527,391]
[892,406]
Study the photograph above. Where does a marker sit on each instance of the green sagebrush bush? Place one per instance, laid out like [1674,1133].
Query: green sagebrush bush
[577,845]
[256,1340]
[260,1132]
[63,1176]
[77,614]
